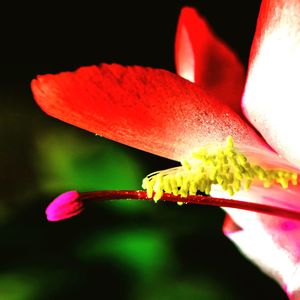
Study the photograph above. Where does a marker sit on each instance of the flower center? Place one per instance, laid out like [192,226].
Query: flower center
[223,165]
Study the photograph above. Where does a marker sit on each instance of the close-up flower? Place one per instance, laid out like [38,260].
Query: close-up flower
[234,132]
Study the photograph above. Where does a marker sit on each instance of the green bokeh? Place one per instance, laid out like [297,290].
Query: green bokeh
[145,252]
[69,160]
[84,162]
[177,288]
[18,286]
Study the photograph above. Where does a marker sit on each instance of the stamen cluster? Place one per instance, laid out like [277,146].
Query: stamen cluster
[224,165]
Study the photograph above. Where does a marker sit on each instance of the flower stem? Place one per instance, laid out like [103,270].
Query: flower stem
[198,199]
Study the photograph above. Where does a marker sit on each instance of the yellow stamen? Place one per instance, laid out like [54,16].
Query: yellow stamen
[224,165]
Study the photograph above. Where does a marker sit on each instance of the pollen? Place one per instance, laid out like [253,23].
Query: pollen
[223,165]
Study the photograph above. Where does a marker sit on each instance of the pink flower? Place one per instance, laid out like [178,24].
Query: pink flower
[165,114]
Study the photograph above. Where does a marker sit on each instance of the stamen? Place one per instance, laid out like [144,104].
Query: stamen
[225,166]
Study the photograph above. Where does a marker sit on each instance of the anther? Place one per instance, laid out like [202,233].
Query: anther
[224,165]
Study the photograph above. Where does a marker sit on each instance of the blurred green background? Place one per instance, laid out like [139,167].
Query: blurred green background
[122,250]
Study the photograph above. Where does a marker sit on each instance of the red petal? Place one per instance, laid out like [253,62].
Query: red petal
[203,58]
[149,109]
[229,226]
[271,100]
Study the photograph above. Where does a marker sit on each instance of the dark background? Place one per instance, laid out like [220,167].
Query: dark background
[113,251]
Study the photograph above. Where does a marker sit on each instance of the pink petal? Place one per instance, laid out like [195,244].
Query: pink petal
[274,249]
[203,58]
[64,206]
[272,243]
[149,109]
[271,101]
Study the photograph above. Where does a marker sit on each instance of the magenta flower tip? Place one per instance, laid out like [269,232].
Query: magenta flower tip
[64,206]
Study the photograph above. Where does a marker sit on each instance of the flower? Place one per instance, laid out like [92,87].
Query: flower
[165,114]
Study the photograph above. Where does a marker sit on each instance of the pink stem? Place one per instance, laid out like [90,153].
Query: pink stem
[198,199]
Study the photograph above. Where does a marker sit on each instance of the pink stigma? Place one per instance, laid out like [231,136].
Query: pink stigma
[64,206]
